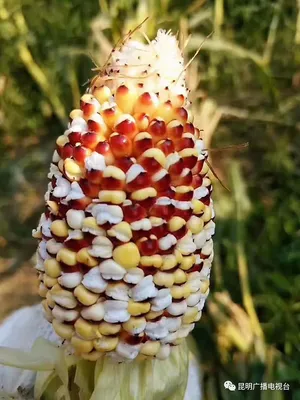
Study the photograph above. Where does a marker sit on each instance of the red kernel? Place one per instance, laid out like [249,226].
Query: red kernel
[120,145]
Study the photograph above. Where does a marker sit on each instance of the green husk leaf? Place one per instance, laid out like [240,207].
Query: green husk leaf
[62,376]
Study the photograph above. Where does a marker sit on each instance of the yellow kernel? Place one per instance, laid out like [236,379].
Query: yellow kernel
[86,330]
[198,206]
[141,136]
[105,328]
[177,292]
[169,262]
[84,257]
[52,267]
[106,343]
[42,291]
[143,194]
[156,221]
[164,279]
[206,181]
[91,223]
[49,282]
[135,308]
[142,121]
[198,316]
[195,224]
[165,111]
[157,154]
[150,348]
[205,169]
[184,189]
[125,99]
[81,345]
[187,262]
[149,261]
[67,256]
[186,290]
[176,223]
[76,113]
[102,93]
[134,324]
[112,196]
[127,255]
[188,152]
[153,314]
[51,303]
[53,206]
[147,108]
[207,214]
[178,256]
[36,233]
[62,140]
[87,98]
[73,170]
[204,285]
[179,276]
[85,296]
[47,311]
[60,228]
[63,330]
[190,315]
[114,172]
[121,231]
[111,115]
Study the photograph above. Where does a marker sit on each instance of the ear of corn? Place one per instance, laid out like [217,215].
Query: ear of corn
[125,242]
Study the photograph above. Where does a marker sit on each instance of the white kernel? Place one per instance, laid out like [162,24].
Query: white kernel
[157,330]
[70,279]
[62,187]
[143,224]
[95,161]
[200,192]
[75,193]
[116,311]
[61,314]
[107,213]
[127,351]
[134,275]
[93,281]
[75,218]
[111,270]
[162,300]
[134,171]
[145,289]
[94,312]
[167,241]
[177,308]
[118,291]
[101,247]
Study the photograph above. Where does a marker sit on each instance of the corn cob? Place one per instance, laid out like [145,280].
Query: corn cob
[125,242]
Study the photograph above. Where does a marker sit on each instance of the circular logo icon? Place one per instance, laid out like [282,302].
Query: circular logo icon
[230,386]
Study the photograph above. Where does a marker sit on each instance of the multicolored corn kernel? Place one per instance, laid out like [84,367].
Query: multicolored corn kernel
[125,243]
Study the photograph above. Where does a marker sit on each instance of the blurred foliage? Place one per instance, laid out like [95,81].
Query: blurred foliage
[245,87]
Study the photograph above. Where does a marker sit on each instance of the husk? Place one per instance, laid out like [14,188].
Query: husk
[62,376]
